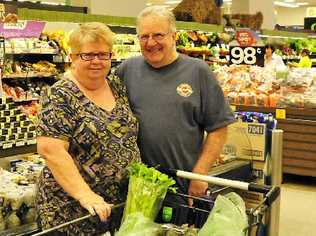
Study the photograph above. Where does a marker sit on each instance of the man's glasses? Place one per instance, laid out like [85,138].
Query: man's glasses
[91,56]
[143,38]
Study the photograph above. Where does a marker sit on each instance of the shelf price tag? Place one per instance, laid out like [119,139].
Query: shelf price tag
[280,114]
[7,145]
[31,141]
[20,143]
[249,55]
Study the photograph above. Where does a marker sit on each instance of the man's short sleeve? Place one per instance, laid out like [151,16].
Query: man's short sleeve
[56,118]
[216,112]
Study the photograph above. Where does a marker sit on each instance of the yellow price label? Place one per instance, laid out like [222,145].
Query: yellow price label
[280,113]
[233,108]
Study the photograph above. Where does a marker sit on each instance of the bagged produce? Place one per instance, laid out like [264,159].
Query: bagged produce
[136,224]
[228,217]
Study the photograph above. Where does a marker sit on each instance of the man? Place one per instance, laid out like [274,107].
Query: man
[176,98]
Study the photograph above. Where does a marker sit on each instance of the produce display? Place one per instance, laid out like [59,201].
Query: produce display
[30,45]
[125,46]
[256,86]
[17,192]
[211,47]
[25,69]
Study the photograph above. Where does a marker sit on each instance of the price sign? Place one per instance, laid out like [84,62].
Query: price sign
[20,143]
[249,55]
[7,145]
[280,113]
[30,142]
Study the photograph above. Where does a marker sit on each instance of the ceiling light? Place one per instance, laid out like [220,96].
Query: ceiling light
[284,4]
[227,1]
[302,3]
[173,1]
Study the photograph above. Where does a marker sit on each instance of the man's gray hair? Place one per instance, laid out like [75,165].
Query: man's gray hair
[159,11]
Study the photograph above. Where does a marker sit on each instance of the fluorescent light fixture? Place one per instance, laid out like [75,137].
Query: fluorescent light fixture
[50,3]
[302,3]
[280,37]
[149,4]
[173,1]
[285,4]
[227,1]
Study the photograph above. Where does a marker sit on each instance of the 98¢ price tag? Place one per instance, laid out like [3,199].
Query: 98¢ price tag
[249,55]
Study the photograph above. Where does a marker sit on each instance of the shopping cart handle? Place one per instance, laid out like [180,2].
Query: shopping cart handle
[271,192]
[272,195]
[259,188]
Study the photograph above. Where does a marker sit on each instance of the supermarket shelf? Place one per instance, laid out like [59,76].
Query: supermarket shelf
[32,52]
[27,229]
[28,75]
[16,150]
[27,100]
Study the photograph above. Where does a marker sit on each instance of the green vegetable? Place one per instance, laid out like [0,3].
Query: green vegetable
[183,39]
[138,225]
[146,190]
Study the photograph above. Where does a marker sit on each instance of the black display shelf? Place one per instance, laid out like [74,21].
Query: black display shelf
[15,150]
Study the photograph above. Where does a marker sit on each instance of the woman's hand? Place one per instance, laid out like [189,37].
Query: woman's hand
[95,204]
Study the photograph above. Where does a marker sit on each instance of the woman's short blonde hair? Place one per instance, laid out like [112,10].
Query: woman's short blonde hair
[92,32]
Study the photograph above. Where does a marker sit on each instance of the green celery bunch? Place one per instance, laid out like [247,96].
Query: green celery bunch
[146,190]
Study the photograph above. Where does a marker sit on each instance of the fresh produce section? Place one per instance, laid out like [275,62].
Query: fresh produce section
[256,86]
[17,192]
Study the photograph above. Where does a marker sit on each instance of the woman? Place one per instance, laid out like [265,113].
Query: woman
[271,60]
[305,61]
[87,134]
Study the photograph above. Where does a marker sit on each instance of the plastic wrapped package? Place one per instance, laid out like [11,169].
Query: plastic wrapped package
[30,216]
[14,198]
[12,220]
[292,100]
[263,100]
[29,195]
[136,224]
[247,99]
[2,222]
[274,99]
[228,217]
[232,98]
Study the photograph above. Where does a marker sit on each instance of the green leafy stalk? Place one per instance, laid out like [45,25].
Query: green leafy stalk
[146,190]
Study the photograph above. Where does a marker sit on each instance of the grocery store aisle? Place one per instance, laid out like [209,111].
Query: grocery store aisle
[298,206]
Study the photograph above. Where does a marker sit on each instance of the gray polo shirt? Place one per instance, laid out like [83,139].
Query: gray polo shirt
[175,105]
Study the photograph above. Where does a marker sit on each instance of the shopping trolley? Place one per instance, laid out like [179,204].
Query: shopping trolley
[198,213]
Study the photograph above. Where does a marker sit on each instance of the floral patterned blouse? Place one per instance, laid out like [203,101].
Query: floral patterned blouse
[102,144]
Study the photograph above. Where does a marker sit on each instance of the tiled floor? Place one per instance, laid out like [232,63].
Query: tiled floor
[298,206]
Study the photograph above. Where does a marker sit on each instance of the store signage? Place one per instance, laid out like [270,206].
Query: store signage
[249,55]
[245,38]
[247,49]
[280,114]
[22,29]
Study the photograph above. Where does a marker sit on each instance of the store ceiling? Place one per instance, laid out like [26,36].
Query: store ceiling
[173,3]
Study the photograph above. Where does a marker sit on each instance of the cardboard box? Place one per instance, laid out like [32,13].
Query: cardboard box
[246,141]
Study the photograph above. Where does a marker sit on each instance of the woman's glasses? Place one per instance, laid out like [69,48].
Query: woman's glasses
[99,56]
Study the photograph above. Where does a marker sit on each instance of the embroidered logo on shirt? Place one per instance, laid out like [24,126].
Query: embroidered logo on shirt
[184,90]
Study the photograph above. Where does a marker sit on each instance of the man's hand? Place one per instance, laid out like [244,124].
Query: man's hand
[197,189]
